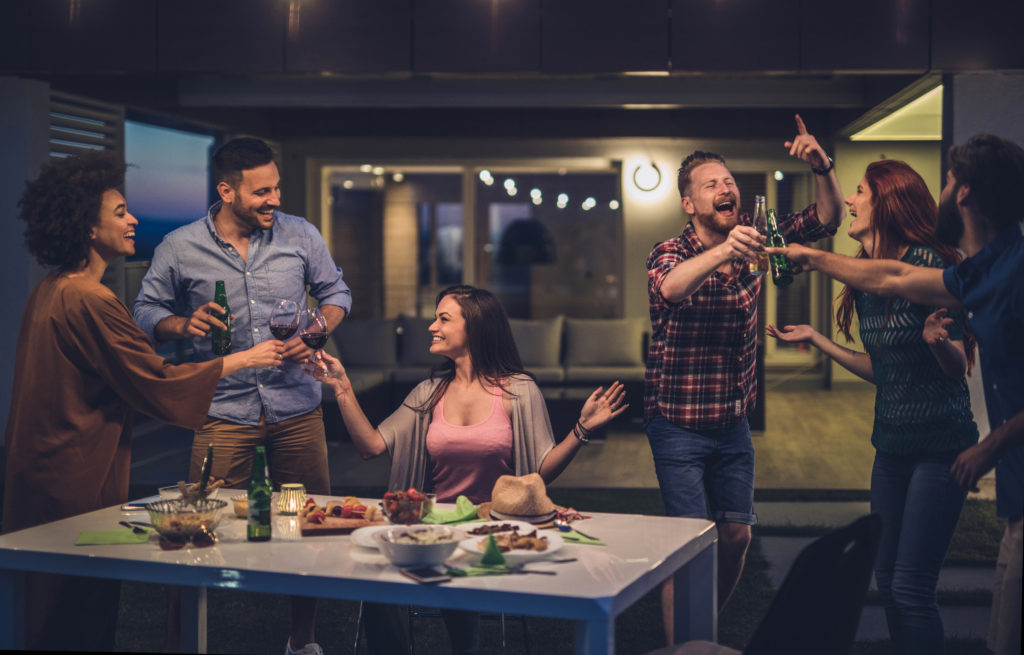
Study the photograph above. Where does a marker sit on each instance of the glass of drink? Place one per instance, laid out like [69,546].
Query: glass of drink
[760,223]
[284,319]
[314,334]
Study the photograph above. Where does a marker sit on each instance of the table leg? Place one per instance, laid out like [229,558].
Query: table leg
[695,598]
[193,619]
[595,637]
[12,610]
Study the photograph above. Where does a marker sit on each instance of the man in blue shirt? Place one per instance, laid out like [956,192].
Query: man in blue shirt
[980,205]
[263,256]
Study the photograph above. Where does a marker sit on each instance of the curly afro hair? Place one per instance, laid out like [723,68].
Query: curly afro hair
[63,204]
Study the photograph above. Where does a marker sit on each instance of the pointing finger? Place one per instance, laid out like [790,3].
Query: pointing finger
[800,127]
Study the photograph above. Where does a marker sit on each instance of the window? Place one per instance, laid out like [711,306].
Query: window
[551,242]
[167,184]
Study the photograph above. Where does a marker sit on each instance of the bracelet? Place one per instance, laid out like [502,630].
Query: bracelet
[581,433]
[826,170]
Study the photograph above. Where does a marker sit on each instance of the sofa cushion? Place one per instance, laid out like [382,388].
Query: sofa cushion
[539,341]
[415,350]
[604,342]
[368,343]
[603,375]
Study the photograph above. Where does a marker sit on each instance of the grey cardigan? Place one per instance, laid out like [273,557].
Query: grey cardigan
[405,433]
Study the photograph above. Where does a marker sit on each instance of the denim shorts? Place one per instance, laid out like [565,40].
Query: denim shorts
[718,463]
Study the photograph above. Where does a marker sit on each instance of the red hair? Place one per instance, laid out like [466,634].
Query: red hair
[903,213]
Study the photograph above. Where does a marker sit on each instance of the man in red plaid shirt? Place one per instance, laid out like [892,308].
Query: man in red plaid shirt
[700,379]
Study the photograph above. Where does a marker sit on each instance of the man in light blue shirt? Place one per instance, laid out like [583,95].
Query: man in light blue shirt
[263,256]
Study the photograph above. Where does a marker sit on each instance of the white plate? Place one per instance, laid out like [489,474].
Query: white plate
[364,536]
[555,542]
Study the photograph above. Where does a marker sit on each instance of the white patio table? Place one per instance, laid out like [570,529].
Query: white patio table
[642,552]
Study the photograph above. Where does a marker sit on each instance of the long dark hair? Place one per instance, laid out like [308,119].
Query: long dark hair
[903,213]
[492,349]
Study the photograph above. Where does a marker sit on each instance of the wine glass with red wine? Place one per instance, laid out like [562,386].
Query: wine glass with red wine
[284,319]
[314,334]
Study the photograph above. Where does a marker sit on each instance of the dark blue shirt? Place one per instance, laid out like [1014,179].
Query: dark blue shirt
[281,263]
[990,288]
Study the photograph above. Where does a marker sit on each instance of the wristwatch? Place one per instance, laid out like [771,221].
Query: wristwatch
[824,171]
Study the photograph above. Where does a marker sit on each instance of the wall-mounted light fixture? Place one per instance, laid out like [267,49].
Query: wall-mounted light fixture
[647,176]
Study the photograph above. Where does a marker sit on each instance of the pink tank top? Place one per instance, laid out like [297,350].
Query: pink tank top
[469,459]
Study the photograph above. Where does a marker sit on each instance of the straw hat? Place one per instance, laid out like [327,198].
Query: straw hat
[521,498]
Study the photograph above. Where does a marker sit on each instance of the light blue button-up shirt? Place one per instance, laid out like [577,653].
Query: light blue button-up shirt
[281,263]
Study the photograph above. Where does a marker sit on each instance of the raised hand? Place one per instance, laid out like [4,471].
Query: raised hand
[204,319]
[805,147]
[744,242]
[801,256]
[935,327]
[793,333]
[266,354]
[328,369]
[602,406]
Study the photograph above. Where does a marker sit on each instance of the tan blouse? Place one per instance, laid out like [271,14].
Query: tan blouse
[82,367]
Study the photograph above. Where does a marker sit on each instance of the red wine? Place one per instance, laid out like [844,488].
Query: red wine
[314,340]
[282,332]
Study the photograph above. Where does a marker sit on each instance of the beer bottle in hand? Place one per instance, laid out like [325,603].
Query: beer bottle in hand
[782,268]
[259,498]
[760,267]
[221,339]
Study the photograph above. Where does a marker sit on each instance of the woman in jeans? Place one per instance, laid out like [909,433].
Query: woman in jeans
[916,357]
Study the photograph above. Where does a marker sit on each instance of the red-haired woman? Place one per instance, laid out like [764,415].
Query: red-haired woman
[916,357]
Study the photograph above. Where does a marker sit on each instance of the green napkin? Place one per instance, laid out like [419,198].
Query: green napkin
[492,555]
[470,571]
[464,511]
[576,538]
[107,537]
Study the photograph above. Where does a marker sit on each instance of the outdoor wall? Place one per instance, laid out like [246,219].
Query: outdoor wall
[24,130]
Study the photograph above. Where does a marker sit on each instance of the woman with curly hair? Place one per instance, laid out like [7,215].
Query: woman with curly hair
[917,357]
[82,368]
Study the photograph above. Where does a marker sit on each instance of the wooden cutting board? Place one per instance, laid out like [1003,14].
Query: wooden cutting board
[334,525]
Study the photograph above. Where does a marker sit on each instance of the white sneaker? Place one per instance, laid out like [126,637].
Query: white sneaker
[312,648]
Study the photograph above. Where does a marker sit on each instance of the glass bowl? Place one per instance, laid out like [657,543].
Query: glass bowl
[175,519]
[407,507]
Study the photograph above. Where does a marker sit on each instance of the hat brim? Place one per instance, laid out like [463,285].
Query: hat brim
[485,512]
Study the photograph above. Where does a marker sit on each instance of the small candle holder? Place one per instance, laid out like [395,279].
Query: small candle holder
[291,499]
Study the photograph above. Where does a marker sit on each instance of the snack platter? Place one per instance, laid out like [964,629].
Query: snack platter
[337,517]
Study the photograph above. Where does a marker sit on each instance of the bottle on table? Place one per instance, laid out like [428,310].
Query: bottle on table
[760,223]
[782,268]
[258,528]
[221,339]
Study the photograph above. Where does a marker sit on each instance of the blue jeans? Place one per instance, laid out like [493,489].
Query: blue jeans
[719,462]
[920,505]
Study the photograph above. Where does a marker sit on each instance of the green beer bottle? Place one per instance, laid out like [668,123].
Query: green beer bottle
[221,338]
[259,498]
[782,268]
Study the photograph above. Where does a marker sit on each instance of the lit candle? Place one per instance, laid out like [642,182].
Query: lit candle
[293,495]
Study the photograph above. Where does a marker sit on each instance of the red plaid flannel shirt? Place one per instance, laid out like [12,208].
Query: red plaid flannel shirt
[702,356]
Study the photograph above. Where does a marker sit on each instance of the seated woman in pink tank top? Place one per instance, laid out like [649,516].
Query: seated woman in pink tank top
[477,417]
[450,434]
